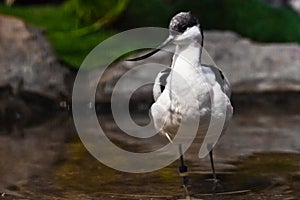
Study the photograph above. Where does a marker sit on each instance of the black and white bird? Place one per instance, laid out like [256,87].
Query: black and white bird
[188,90]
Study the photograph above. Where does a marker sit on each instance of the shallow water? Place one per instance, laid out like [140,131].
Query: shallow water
[258,158]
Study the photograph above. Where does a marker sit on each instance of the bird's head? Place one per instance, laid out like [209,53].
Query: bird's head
[183,28]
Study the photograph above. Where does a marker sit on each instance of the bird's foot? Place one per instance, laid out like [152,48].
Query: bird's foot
[186,191]
[216,184]
[183,172]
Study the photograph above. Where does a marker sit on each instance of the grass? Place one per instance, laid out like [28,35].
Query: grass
[60,27]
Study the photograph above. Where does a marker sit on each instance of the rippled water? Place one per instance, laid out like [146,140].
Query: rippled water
[258,158]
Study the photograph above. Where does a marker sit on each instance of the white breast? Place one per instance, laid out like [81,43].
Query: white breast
[192,91]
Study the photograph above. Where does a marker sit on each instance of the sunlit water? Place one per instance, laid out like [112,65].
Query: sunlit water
[258,158]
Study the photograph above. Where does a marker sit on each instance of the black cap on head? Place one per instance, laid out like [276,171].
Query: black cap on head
[179,23]
[182,21]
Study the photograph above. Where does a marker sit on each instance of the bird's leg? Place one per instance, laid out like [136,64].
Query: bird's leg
[183,172]
[212,165]
[215,180]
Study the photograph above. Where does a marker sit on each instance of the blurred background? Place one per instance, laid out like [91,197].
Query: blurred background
[44,42]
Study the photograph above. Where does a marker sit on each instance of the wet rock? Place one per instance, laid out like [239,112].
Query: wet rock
[249,66]
[27,61]
[31,77]
[295,4]
[255,67]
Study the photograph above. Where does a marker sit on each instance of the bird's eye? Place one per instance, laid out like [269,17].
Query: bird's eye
[183,28]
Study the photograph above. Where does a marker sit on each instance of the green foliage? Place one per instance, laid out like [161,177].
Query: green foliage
[141,13]
[72,49]
[250,18]
[50,18]
[73,28]
[89,10]
[260,22]
[96,12]
[58,24]
[110,15]
[77,26]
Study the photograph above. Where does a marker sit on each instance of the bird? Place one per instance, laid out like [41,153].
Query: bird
[188,89]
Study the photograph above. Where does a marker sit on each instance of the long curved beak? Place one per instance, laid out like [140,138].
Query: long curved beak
[157,49]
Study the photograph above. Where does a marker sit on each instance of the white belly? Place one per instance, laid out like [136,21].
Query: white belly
[191,96]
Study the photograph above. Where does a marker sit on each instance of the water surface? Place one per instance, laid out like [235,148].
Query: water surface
[258,158]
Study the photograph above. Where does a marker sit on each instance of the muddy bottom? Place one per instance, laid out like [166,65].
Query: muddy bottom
[258,158]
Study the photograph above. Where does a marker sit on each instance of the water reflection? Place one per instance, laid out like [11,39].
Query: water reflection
[258,158]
